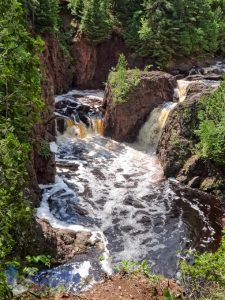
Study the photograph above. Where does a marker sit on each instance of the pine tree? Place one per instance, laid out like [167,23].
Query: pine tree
[77,8]
[200,30]
[158,31]
[47,15]
[96,24]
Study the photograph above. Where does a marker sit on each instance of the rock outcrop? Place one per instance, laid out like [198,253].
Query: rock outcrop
[123,121]
[178,140]
[57,78]
[93,62]
[63,244]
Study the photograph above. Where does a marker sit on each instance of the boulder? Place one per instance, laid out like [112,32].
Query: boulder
[64,244]
[123,121]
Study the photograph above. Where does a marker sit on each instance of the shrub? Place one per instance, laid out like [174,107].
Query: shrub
[205,279]
[122,80]
[211,131]
[45,150]
[209,266]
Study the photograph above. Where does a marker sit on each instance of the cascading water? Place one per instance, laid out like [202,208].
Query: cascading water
[150,133]
[122,196]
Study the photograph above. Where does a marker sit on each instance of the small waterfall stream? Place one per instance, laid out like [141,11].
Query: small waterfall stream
[150,133]
[123,198]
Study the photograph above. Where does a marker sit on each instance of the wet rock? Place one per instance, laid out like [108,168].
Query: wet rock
[122,122]
[132,202]
[61,125]
[64,244]
[194,182]
[213,77]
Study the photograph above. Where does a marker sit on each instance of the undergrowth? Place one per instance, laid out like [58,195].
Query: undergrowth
[205,279]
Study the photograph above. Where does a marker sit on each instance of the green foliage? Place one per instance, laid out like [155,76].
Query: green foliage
[211,132]
[132,267]
[122,80]
[47,15]
[20,106]
[181,27]
[161,29]
[35,263]
[77,8]
[166,293]
[42,14]
[126,266]
[40,259]
[45,150]
[208,266]
[94,18]
[166,29]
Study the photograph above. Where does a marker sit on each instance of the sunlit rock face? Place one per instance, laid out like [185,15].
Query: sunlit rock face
[123,121]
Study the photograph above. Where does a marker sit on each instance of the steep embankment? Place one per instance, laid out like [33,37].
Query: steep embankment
[57,74]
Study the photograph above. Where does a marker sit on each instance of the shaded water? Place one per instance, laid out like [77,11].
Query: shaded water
[118,192]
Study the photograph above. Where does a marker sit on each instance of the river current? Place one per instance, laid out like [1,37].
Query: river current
[118,192]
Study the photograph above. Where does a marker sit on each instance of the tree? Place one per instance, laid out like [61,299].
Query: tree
[20,106]
[77,8]
[96,24]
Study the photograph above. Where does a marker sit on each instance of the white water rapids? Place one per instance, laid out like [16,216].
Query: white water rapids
[126,202]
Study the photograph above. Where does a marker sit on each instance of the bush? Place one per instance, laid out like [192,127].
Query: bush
[211,131]
[205,279]
[208,266]
[122,80]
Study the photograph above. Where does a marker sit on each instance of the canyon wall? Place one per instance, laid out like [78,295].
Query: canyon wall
[57,76]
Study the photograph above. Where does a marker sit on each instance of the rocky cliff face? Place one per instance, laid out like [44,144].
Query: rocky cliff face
[57,78]
[178,140]
[123,121]
[93,62]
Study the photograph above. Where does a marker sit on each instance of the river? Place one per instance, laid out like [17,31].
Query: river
[118,192]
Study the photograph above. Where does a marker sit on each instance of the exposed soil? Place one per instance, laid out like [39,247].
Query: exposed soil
[127,288]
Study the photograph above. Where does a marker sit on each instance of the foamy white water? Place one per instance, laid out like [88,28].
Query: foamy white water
[126,202]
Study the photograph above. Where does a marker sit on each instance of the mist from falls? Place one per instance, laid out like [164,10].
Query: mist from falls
[118,192]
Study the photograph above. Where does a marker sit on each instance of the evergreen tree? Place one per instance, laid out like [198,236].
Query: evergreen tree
[77,8]
[199,32]
[125,9]
[96,24]
[171,28]
[218,9]
[159,30]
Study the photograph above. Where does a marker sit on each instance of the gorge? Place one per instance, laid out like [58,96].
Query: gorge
[112,138]
[115,196]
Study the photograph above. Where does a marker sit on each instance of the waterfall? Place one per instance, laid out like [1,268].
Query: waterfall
[74,129]
[97,126]
[181,90]
[150,133]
